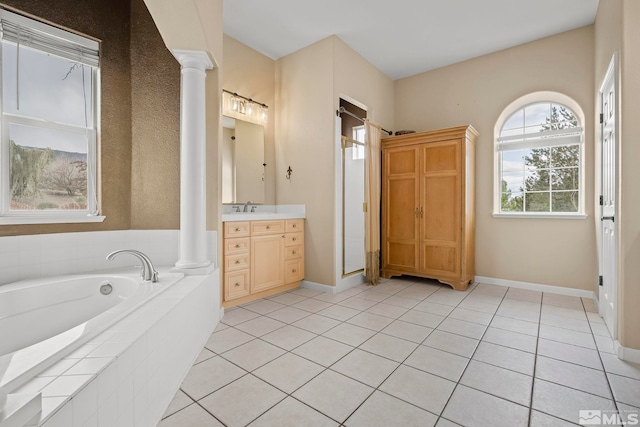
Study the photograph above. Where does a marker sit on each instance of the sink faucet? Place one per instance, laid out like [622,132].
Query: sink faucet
[148,271]
[246,206]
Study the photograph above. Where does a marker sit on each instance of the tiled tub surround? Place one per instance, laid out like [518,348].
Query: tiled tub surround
[126,375]
[407,354]
[44,320]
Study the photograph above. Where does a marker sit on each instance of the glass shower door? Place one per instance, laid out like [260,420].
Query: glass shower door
[352,202]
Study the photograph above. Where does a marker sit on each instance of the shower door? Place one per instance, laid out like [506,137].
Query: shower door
[352,204]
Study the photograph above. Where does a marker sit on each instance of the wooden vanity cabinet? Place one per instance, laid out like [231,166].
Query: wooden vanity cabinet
[428,190]
[261,258]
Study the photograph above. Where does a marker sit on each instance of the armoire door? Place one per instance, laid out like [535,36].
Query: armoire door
[440,202]
[401,209]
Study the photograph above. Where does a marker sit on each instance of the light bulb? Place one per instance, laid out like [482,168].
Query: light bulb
[235,104]
[264,114]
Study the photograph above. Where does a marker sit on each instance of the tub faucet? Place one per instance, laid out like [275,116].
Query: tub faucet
[246,206]
[148,271]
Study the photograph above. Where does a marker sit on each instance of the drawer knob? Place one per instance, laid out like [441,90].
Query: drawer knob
[294,270]
[237,246]
[237,228]
[294,239]
[295,225]
[237,261]
[268,227]
[236,285]
[294,252]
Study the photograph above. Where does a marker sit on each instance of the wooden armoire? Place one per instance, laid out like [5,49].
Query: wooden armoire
[428,202]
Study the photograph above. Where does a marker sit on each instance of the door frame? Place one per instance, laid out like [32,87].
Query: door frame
[611,76]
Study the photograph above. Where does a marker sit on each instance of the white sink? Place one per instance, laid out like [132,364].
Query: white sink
[266,212]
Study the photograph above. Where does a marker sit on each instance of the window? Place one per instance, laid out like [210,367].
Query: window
[49,119]
[539,161]
[358,149]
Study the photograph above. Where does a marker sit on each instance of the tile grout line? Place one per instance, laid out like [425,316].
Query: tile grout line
[390,374]
[471,357]
[327,368]
[604,369]
[535,361]
[289,351]
[376,332]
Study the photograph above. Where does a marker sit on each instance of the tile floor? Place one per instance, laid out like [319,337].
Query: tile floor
[407,353]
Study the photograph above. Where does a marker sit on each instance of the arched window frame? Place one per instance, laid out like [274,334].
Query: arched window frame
[518,104]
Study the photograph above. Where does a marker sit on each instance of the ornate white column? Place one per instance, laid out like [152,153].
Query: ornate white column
[193,228]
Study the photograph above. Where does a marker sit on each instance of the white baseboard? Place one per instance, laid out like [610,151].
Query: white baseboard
[345,283]
[626,353]
[582,293]
[318,287]
[350,282]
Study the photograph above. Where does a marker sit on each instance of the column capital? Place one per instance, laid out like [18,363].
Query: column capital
[193,59]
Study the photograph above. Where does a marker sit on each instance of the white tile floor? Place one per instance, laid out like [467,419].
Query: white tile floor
[408,352]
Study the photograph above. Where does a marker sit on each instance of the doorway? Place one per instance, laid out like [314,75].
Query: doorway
[352,165]
[608,204]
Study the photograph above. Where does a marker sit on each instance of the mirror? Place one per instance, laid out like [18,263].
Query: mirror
[242,161]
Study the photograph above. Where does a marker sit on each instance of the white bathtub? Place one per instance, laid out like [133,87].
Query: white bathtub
[44,320]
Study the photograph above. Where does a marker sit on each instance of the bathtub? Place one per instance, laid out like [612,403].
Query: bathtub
[44,320]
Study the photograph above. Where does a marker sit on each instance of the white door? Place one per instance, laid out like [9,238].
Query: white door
[608,225]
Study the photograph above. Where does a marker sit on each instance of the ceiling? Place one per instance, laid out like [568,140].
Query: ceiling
[403,37]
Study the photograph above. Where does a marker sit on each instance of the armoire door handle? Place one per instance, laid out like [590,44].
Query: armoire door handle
[417,212]
[421,212]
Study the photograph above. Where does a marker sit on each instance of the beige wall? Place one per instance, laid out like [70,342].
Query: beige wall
[252,74]
[629,211]
[309,84]
[304,135]
[544,251]
[616,31]
[630,176]
[357,79]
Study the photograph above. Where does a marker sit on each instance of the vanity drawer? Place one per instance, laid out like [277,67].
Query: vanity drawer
[259,228]
[294,239]
[237,246]
[236,229]
[293,270]
[236,284]
[294,252]
[236,262]
[293,225]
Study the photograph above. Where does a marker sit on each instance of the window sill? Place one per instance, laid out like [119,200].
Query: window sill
[541,215]
[49,220]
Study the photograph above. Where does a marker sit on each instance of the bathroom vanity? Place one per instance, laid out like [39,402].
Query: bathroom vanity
[262,257]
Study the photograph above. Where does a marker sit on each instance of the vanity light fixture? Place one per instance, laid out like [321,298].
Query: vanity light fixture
[243,108]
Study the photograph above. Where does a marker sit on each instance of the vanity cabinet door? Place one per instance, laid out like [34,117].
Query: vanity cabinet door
[267,262]
[236,284]
[294,270]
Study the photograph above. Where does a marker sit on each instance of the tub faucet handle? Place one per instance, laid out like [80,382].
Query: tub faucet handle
[149,273]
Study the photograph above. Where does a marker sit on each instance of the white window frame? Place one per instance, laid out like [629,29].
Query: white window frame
[91,214]
[358,149]
[520,103]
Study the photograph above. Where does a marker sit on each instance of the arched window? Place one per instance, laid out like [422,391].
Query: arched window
[539,152]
